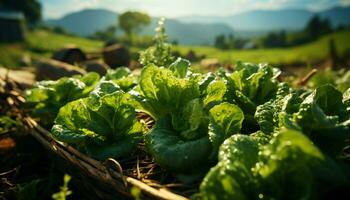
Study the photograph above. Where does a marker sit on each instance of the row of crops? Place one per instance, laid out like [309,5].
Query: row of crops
[244,135]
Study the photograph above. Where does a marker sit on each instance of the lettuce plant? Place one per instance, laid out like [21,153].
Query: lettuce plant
[287,167]
[188,131]
[102,125]
[47,97]
[179,139]
[251,85]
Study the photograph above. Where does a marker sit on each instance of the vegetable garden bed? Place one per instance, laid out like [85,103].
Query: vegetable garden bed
[171,133]
[174,134]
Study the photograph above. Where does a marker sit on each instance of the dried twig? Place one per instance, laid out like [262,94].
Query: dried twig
[8,172]
[308,76]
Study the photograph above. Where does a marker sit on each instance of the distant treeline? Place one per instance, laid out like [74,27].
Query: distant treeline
[314,29]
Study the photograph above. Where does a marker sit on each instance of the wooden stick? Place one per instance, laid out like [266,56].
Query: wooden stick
[308,76]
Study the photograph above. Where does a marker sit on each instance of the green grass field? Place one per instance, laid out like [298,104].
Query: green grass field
[307,53]
[43,43]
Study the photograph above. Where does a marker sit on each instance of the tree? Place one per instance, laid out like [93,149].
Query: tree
[220,42]
[229,42]
[275,39]
[106,35]
[317,27]
[30,8]
[132,22]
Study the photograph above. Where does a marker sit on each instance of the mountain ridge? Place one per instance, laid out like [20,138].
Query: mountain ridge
[271,20]
[197,30]
[87,22]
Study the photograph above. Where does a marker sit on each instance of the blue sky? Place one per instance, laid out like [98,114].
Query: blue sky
[175,8]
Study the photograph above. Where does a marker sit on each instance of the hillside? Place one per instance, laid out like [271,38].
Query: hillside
[48,42]
[87,22]
[308,53]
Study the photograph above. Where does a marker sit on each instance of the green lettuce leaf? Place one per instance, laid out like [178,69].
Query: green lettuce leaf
[103,88]
[190,121]
[225,120]
[205,81]
[174,152]
[215,93]
[123,77]
[180,67]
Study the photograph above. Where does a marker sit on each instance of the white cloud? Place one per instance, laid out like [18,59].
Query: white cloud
[345,2]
